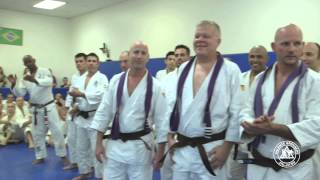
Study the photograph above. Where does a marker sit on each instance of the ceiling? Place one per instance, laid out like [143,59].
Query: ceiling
[73,8]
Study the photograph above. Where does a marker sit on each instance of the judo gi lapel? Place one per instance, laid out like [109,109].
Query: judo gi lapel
[245,81]
[190,103]
[93,82]
[138,94]
[115,132]
[293,79]
[175,115]
[268,90]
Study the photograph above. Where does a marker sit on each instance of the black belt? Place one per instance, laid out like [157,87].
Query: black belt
[85,114]
[197,142]
[132,136]
[39,106]
[271,163]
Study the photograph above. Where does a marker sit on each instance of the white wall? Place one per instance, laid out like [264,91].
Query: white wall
[160,23]
[45,38]
[164,23]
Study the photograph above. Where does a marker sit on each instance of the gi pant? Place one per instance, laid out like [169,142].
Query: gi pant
[40,129]
[166,170]
[72,139]
[116,170]
[86,147]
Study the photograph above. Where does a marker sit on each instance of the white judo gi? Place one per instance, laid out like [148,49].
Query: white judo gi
[71,125]
[41,94]
[166,169]
[15,126]
[224,109]
[162,74]
[87,137]
[131,159]
[316,160]
[306,131]
[237,171]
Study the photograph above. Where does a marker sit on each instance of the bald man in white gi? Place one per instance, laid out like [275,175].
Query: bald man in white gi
[134,102]
[38,83]
[257,58]
[283,108]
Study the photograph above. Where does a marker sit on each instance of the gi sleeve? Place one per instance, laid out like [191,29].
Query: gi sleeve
[19,89]
[104,114]
[160,117]
[247,112]
[232,133]
[44,78]
[69,99]
[307,130]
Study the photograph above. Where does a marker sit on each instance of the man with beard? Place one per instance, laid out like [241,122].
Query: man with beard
[182,54]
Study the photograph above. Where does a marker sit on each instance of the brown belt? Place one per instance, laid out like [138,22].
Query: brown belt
[197,142]
[271,163]
[132,136]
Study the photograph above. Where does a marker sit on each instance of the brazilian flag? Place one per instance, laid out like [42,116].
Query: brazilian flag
[11,36]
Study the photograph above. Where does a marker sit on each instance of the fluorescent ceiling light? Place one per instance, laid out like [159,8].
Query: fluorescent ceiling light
[49,4]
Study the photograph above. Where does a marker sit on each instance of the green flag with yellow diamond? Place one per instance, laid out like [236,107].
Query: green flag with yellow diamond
[11,36]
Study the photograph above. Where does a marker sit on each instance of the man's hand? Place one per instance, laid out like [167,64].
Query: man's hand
[261,125]
[7,123]
[66,108]
[25,124]
[219,155]
[171,142]
[264,125]
[156,161]
[74,110]
[6,126]
[30,79]
[100,152]
[12,79]
[76,93]
[158,155]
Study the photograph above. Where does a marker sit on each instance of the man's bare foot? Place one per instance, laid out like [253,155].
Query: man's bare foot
[38,161]
[82,176]
[3,143]
[65,161]
[14,141]
[70,167]
[30,145]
